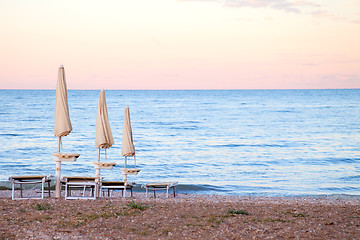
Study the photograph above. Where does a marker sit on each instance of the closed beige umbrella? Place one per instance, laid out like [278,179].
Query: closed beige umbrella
[62,126]
[128,148]
[103,136]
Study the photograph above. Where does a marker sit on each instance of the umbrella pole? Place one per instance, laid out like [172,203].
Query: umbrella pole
[98,176]
[99,155]
[125,178]
[58,173]
[59,141]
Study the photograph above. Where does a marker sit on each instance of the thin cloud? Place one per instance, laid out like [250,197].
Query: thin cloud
[310,64]
[327,15]
[282,5]
[197,0]
[348,80]
[303,3]
[357,20]
[290,6]
[346,61]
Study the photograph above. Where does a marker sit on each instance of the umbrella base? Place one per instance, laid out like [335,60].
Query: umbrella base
[130,171]
[103,165]
[65,157]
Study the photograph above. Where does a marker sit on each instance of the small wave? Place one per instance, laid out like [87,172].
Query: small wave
[185,128]
[340,189]
[249,145]
[10,134]
[191,188]
[351,178]
[286,111]
[338,160]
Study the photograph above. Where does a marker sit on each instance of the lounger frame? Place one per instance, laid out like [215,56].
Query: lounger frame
[29,180]
[160,186]
[110,186]
[83,183]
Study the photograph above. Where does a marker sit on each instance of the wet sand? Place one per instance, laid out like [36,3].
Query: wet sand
[187,216]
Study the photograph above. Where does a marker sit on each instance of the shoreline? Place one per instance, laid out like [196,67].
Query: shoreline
[195,190]
[188,216]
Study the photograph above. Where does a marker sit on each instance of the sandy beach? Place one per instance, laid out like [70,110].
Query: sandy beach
[187,216]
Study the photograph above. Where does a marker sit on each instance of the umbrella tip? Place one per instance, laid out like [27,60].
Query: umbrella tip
[61,66]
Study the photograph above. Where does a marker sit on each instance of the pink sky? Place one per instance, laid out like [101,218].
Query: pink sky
[184,44]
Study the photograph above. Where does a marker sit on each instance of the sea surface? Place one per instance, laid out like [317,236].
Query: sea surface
[232,142]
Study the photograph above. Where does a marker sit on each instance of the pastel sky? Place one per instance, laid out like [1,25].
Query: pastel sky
[180,44]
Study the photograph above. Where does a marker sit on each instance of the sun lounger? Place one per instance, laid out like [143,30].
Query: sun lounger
[160,186]
[113,185]
[82,183]
[36,179]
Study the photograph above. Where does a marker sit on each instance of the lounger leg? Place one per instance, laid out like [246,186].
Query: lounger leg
[154,194]
[66,191]
[167,192]
[21,195]
[146,194]
[13,191]
[49,188]
[174,191]
[131,192]
[42,189]
[96,191]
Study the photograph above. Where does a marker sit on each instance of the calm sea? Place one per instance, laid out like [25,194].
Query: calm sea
[235,142]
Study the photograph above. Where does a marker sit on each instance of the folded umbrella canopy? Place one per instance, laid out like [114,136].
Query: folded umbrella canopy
[128,148]
[103,136]
[62,125]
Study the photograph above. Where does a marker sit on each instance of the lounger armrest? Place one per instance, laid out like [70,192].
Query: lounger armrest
[79,179]
[30,178]
[160,184]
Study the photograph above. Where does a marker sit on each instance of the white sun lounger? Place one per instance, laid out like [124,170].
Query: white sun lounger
[113,185]
[80,182]
[160,186]
[36,179]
